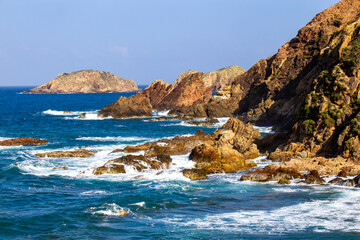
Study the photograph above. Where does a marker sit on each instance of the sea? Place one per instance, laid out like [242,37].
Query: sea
[37,202]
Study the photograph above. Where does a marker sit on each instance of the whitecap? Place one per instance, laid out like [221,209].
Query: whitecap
[108,209]
[93,192]
[140,204]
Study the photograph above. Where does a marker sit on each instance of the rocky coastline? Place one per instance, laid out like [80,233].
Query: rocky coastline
[309,91]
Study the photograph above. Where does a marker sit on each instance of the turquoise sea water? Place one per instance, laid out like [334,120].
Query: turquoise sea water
[37,202]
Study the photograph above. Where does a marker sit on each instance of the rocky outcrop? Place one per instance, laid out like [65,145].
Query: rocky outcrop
[22,141]
[86,81]
[81,153]
[137,105]
[229,151]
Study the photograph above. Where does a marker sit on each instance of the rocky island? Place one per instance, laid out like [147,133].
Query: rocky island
[86,81]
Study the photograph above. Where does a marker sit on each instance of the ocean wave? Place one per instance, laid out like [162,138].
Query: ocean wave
[339,214]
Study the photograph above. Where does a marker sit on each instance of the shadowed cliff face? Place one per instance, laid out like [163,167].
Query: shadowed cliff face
[86,81]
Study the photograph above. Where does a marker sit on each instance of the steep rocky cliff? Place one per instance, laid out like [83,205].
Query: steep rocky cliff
[274,89]
[86,81]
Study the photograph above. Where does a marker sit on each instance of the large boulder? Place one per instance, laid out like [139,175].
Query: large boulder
[86,81]
[137,105]
[22,141]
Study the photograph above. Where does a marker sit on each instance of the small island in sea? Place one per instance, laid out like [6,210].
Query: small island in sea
[86,81]
[268,153]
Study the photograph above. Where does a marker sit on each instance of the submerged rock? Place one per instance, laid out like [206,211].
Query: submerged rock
[82,153]
[22,141]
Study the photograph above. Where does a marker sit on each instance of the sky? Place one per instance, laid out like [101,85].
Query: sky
[142,40]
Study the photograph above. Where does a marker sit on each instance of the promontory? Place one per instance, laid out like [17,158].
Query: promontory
[86,81]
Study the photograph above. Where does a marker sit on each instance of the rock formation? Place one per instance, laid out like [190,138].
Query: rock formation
[86,81]
[190,89]
[229,151]
[22,141]
[137,105]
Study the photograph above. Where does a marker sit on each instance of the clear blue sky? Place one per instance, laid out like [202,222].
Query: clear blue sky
[142,40]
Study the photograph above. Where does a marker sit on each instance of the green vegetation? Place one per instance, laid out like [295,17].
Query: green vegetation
[309,126]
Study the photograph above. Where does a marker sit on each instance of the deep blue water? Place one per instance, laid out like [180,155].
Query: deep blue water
[37,202]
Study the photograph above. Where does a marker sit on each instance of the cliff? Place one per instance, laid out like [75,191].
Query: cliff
[86,81]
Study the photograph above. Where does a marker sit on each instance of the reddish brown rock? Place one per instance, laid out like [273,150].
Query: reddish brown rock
[137,105]
[22,141]
[157,91]
[189,91]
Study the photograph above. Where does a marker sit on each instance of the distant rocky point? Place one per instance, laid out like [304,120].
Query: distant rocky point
[86,81]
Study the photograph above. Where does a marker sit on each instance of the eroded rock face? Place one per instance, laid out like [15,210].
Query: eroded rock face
[86,81]
[22,141]
[138,162]
[82,153]
[137,105]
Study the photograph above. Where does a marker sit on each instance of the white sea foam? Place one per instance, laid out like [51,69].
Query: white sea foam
[108,209]
[74,115]
[140,204]
[115,139]
[93,192]
[339,214]
[160,113]
[264,129]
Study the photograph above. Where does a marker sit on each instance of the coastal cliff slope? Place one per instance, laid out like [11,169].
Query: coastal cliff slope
[86,81]
[273,90]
